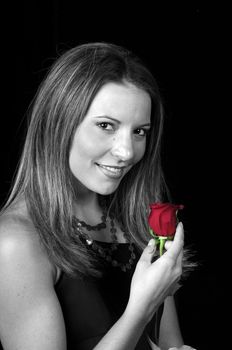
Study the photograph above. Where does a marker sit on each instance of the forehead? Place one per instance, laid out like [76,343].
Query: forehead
[120,98]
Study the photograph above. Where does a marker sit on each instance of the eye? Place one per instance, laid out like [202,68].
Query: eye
[141,132]
[105,126]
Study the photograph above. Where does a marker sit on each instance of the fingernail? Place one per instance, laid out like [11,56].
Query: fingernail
[151,242]
[151,245]
[181,224]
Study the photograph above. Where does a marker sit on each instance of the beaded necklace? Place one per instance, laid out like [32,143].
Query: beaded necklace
[105,253]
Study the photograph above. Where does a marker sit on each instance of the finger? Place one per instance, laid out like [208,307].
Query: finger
[180,258]
[177,244]
[149,251]
[167,244]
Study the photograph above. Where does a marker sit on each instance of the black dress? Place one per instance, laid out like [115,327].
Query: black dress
[92,305]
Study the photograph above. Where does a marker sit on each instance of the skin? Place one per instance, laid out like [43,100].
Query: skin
[31,316]
[99,139]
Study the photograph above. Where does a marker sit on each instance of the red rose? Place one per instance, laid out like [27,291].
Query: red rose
[163,221]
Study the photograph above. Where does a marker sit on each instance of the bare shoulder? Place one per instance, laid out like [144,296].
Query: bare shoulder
[30,311]
[20,245]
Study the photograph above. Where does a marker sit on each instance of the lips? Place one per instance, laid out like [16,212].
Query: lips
[111,171]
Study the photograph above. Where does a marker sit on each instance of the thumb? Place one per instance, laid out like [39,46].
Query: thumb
[149,251]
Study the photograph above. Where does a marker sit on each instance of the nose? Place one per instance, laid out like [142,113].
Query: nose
[123,148]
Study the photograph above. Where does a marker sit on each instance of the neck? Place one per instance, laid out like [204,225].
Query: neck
[87,208]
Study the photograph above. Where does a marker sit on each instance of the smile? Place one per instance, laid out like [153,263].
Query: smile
[113,172]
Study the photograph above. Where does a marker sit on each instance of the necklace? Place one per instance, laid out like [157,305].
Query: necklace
[105,253]
[97,227]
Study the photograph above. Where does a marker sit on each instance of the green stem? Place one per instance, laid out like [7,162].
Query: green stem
[161,247]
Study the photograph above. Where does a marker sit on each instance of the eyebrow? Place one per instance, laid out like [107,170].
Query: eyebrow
[118,121]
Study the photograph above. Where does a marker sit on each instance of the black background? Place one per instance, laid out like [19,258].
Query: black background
[184,46]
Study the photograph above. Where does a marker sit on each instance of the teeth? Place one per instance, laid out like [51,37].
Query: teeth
[113,170]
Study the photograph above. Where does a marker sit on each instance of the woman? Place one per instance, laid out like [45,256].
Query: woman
[76,271]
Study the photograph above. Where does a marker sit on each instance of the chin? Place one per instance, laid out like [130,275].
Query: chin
[107,191]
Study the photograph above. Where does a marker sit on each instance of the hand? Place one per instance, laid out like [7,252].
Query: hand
[153,282]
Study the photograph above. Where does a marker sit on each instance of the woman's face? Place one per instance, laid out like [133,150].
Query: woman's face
[111,138]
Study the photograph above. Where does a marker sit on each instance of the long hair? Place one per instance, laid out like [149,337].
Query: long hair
[44,178]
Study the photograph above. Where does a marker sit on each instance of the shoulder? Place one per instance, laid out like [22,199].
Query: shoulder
[20,246]
[30,310]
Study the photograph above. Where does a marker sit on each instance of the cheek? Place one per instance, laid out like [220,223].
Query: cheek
[140,151]
[86,150]
[83,151]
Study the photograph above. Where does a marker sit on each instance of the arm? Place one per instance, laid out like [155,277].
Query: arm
[30,317]
[151,283]
[170,334]
[124,334]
